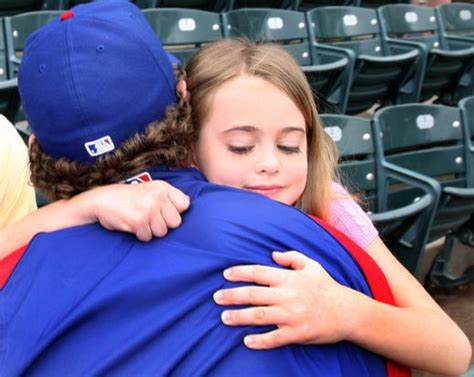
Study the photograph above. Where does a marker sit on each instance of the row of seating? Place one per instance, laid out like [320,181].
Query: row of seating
[12,7]
[354,57]
[414,164]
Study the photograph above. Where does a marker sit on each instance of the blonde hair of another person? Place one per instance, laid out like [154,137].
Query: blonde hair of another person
[220,62]
[17,195]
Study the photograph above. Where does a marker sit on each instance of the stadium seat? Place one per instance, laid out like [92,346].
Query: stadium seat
[238,4]
[13,7]
[306,5]
[456,20]
[378,3]
[447,62]
[326,68]
[429,139]
[375,182]
[3,54]
[17,30]
[9,99]
[183,31]
[208,5]
[381,70]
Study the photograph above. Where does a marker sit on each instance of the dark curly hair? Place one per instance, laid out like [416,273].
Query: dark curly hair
[168,141]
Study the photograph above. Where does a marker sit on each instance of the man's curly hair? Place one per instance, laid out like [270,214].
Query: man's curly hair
[168,141]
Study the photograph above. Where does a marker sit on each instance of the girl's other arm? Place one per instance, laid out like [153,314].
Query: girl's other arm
[146,210]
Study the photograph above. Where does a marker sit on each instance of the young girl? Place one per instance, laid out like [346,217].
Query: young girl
[257,129]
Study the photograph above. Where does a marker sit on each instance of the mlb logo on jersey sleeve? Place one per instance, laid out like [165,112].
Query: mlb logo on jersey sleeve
[140,178]
[99,146]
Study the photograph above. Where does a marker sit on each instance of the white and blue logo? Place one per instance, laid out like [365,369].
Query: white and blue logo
[99,146]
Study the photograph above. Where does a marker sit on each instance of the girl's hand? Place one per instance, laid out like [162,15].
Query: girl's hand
[306,304]
[146,209]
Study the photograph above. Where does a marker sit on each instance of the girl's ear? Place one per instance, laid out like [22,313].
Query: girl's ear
[182,89]
[31,140]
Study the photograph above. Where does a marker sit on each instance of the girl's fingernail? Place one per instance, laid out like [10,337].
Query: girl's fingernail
[248,340]
[225,316]
[228,273]
[217,296]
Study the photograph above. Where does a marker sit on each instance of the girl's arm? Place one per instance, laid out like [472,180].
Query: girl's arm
[147,209]
[309,307]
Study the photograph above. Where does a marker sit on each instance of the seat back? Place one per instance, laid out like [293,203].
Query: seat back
[285,27]
[348,27]
[357,168]
[18,29]
[306,5]
[378,75]
[207,5]
[429,139]
[447,63]
[3,54]
[467,112]
[328,72]
[411,22]
[9,99]
[361,170]
[457,19]
[281,4]
[183,31]
[13,7]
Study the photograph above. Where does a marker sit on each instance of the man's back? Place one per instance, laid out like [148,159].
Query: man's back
[86,301]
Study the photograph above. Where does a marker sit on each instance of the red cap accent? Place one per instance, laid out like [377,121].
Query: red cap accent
[66,15]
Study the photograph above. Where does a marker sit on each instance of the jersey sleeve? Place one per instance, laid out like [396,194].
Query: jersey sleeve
[348,217]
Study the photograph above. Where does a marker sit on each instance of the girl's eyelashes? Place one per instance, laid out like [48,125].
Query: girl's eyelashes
[247,149]
[240,150]
[289,150]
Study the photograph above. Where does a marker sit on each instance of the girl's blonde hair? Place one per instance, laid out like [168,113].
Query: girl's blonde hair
[222,61]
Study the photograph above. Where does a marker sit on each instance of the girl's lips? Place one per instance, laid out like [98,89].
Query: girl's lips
[268,191]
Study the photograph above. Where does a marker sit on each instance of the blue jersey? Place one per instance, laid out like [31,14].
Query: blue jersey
[85,301]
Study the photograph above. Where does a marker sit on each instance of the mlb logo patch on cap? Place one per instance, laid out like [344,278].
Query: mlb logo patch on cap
[99,146]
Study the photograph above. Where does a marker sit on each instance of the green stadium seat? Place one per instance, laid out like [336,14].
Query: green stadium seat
[239,4]
[456,20]
[183,31]
[429,140]
[13,7]
[446,71]
[381,70]
[207,5]
[376,183]
[379,3]
[17,30]
[326,68]
[9,99]
[306,5]
[3,54]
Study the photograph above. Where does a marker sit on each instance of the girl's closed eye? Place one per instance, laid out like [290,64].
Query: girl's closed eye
[289,149]
[240,149]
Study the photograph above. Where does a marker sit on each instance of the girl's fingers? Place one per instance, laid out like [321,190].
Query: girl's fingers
[251,295]
[272,339]
[255,316]
[158,225]
[178,199]
[170,215]
[144,233]
[291,259]
[258,274]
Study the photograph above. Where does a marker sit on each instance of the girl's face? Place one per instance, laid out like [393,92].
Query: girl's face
[254,138]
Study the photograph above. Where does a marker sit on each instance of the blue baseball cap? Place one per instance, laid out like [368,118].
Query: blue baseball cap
[92,78]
